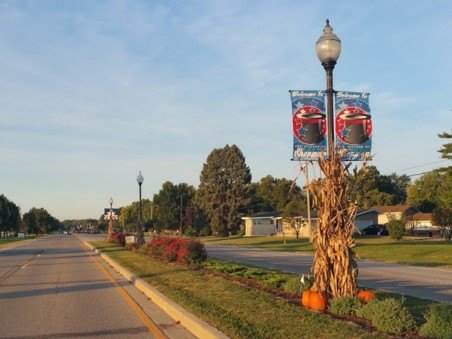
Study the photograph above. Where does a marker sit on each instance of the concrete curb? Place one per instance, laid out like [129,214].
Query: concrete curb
[118,268]
[192,323]
[196,326]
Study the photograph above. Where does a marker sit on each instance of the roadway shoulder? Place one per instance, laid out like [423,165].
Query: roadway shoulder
[192,323]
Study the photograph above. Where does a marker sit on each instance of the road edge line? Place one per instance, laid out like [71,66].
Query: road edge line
[152,327]
[192,323]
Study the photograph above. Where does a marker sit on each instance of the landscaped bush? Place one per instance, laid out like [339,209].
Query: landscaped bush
[292,285]
[118,238]
[396,229]
[388,315]
[345,306]
[439,322]
[180,250]
[266,278]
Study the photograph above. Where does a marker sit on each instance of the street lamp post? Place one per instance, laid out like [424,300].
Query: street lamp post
[334,266]
[140,235]
[328,49]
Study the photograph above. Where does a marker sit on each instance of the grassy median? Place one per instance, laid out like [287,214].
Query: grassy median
[413,251]
[238,311]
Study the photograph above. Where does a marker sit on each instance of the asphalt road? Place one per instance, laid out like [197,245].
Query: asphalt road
[422,282]
[53,288]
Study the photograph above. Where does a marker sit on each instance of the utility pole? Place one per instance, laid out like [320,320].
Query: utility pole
[180,214]
[308,196]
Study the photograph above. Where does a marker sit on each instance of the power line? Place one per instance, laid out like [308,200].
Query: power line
[422,165]
[416,174]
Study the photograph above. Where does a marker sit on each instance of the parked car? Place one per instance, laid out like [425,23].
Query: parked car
[375,229]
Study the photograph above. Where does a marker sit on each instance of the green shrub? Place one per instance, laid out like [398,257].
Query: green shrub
[387,315]
[396,229]
[439,322]
[292,285]
[273,281]
[345,306]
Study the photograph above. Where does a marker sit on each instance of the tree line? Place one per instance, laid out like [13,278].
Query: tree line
[35,221]
[226,193]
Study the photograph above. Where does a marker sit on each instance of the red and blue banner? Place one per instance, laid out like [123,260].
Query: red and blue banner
[308,124]
[353,125]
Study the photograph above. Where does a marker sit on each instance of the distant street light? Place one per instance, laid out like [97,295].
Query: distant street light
[139,231]
[110,221]
[328,49]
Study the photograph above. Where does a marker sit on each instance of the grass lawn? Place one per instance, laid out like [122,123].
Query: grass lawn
[413,251]
[238,311]
[3,242]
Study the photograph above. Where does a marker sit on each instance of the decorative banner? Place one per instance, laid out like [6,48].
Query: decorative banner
[113,213]
[308,124]
[353,125]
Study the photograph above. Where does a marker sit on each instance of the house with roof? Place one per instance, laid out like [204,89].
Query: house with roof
[393,212]
[271,223]
[381,215]
[365,219]
[261,224]
[421,222]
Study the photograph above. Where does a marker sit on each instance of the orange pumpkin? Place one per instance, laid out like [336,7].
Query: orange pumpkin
[306,298]
[317,301]
[365,296]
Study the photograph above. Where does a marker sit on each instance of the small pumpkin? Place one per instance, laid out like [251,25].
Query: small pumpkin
[306,298]
[365,296]
[317,301]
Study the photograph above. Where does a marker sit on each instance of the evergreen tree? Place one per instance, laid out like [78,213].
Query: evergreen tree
[446,149]
[224,188]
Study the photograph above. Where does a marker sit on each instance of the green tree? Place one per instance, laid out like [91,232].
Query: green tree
[274,194]
[9,215]
[224,188]
[446,149]
[370,188]
[433,189]
[257,203]
[396,229]
[290,214]
[175,207]
[129,215]
[38,220]
[443,217]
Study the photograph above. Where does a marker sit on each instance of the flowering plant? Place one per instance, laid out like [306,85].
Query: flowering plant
[180,250]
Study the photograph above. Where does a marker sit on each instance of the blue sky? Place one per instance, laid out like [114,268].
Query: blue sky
[93,91]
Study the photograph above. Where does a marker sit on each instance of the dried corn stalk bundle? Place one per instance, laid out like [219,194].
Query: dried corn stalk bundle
[334,268]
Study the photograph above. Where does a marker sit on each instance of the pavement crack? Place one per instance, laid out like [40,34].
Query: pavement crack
[5,276]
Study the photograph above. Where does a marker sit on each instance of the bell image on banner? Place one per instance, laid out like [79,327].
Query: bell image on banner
[353,125]
[308,124]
